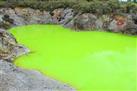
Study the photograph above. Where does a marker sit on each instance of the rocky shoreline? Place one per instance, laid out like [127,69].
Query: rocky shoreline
[122,22]
[9,47]
[13,78]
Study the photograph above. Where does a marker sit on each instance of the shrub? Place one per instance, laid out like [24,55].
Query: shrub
[88,6]
[2,3]
[131,7]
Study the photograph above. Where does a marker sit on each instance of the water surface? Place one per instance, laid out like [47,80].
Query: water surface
[89,61]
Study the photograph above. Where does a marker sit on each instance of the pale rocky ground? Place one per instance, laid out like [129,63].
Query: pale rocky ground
[13,78]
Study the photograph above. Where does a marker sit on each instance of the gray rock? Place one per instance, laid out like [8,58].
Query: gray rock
[9,48]
[113,26]
[57,15]
[25,16]
[17,79]
[99,24]
[40,17]
[31,16]
[118,23]
[85,21]
[70,23]
[1,16]
[106,19]
[47,18]
[17,19]
[134,17]
[67,16]
[130,28]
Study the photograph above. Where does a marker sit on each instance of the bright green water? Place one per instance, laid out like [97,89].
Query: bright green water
[89,61]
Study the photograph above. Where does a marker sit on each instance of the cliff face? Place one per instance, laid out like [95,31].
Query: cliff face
[124,23]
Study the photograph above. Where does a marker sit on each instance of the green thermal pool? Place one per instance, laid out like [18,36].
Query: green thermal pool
[88,61]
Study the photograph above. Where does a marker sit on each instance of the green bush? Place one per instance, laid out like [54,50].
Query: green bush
[84,6]
[2,3]
[131,7]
